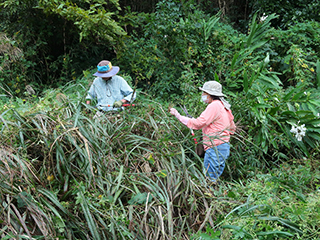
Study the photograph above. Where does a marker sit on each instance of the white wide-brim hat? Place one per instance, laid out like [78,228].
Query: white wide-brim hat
[105,69]
[213,88]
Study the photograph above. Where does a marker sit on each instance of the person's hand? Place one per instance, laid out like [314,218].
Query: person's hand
[174,112]
[117,104]
[182,119]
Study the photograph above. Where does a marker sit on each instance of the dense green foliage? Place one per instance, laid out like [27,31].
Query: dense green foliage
[291,11]
[134,174]
[50,42]
[273,82]
[47,43]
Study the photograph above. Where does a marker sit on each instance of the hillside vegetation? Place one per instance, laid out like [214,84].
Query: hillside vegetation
[134,174]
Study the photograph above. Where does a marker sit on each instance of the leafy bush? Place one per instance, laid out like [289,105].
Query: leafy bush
[277,206]
[135,175]
[130,174]
[290,12]
[56,40]
[268,108]
[177,50]
[295,52]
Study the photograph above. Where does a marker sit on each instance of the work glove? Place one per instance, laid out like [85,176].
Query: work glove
[174,112]
[117,104]
[182,119]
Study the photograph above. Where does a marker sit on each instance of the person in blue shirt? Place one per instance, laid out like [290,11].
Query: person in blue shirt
[110,90]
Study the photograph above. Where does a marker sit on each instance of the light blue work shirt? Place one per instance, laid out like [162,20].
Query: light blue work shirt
[108,92]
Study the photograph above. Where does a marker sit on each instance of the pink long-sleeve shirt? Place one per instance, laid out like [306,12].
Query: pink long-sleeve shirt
[216,123]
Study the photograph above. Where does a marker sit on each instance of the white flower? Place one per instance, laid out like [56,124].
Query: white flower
[293,129]
[264,17]
[299,131]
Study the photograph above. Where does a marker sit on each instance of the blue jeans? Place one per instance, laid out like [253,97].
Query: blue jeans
[214,160]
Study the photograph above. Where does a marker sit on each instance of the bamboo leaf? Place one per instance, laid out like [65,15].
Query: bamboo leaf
[89,218]
[54,200]
[257,45]
[289,95]
[216,77]
[53,209]
[253,28]
[235,57]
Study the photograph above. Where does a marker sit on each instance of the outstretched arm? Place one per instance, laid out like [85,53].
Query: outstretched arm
[128,93]
[182,119]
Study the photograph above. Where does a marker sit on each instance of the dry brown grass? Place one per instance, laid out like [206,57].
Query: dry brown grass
[7,47]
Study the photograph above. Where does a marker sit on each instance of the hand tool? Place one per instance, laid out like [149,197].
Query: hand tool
[188,115]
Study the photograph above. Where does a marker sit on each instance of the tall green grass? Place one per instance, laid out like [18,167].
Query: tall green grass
[134,175]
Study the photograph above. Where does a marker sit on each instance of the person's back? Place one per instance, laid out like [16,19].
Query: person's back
[217,124]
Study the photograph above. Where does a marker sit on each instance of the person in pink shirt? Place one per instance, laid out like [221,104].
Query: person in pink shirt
[217,124]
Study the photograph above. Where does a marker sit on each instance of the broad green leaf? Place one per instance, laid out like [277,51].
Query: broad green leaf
[289,95]
[257,45]
[303,113]
[150,159]
[262,105]
[163,173]
[297,96]
[315,102]
[315,136]
[140,198]
[273,110]
[272,81]
[313,121]
[291,108]
[312,108]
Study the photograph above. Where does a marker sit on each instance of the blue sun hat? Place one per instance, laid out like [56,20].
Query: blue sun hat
[105,69]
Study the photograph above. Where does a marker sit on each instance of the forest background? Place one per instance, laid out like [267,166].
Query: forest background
[135,175]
